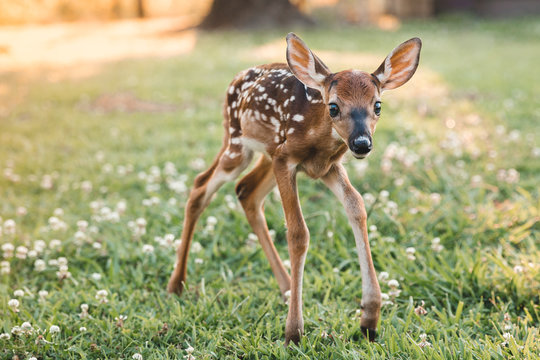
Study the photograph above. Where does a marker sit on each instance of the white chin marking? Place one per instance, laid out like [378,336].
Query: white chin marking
[359,156]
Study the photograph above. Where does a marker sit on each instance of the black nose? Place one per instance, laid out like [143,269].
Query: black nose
[361,145]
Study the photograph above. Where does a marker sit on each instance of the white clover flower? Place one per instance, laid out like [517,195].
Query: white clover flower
[507,327]
[147,249]
[5,336]
[101,295]
[393,283]
[190,349]
[18,293]
[10,227]
[423,341]
[27,327]
[140,222]
[385,298]
[507,336]
[196,247]
[436,245]
[16,330]
[383,275]
[32,254]
[58,212]
[21,211]
[211,220]
[199,261]
[86,186]
[197,164]
[21,252]
[47,182]
[62,261]
[518,269]
[95,276]
[137,356]
[96,245]
[43,294]
[82,225]
[84,311]
[53,262]
[252,239]
[54,329]
[80,236]
[39,246]
[410,251]
[82,329]
[287,263]
[63,272]
[14,305]
[435,198]
[55,243]
[5,268]
[369,199]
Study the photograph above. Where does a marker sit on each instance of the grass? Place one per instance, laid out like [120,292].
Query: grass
[456,159]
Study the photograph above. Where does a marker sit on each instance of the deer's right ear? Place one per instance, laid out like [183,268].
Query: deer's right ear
[305,65]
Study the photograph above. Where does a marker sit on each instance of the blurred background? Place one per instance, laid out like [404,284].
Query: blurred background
[355,11]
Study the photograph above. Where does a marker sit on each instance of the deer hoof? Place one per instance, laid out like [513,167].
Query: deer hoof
[370,334]
[175,287]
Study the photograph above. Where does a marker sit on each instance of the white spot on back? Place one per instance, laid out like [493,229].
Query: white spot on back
[298,117]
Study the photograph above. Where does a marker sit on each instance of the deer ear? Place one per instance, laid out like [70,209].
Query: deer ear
[305,65]
[400,65]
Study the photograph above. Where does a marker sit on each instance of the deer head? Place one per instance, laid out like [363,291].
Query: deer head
[353,97]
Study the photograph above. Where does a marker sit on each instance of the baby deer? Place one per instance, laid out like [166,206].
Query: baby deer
[301,117]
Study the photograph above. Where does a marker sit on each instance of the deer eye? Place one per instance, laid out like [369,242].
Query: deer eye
[377,108]
[334,110]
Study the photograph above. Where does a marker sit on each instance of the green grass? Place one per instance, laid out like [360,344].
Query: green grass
[482,284]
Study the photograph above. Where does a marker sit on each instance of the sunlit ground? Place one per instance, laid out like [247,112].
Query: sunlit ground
[102,131]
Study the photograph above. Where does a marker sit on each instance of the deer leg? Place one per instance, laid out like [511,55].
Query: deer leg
[251,191]
[338,182]
[298,242]
[226,167]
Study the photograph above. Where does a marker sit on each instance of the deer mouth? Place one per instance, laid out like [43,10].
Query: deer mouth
[359,156]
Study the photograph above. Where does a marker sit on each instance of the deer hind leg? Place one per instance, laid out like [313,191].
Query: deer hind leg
[229,163]
[251,191]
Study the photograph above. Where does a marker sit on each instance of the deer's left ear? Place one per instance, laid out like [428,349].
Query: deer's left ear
[400,65]
[305,65]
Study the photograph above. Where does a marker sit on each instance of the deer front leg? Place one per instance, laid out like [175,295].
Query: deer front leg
[339,184]
[298,242]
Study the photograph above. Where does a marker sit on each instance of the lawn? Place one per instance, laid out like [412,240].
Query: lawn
[96,171]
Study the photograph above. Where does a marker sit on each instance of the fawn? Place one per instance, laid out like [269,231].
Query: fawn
[301,117]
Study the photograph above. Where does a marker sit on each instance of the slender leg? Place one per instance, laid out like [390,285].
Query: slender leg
[298,242]
[251,191]
[339,183]
[225,168]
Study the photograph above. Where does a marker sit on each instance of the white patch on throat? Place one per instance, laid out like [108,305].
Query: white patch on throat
[335,135]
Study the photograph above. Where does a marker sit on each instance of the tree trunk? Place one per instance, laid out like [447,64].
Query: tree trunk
[141,13]
[242,14]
